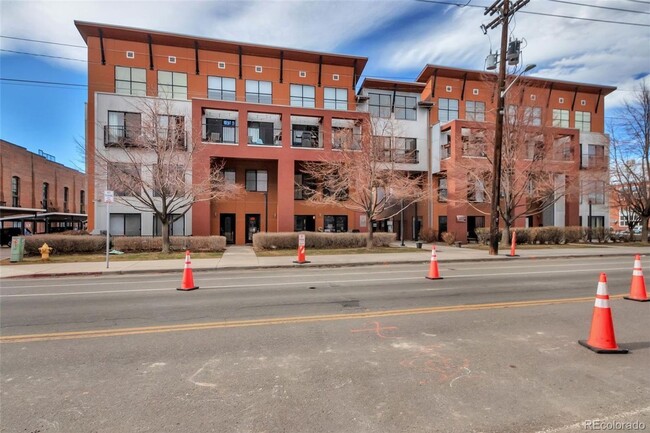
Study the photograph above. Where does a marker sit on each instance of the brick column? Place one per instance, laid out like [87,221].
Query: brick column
[285,194]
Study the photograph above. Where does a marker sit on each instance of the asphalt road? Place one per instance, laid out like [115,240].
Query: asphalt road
[492,347]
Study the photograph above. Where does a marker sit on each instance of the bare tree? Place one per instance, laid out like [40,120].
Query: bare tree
[361,175]
[148,163]
[630,152]
[533,160]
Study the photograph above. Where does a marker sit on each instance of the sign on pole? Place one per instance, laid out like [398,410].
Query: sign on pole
[109,197]
[301,240]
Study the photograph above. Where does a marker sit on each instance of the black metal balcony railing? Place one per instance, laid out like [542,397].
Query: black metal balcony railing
[401,156]
[596,161]
[307,139]
[445,151]
[136,136]
[227,134]
[265,136]
[350,141]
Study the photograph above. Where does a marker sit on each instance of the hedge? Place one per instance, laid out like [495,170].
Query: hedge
[87,244]
[551,235]
[289,240]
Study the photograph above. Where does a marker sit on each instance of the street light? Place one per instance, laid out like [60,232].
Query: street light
[498,143]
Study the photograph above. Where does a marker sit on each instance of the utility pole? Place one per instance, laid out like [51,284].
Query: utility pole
[502,7]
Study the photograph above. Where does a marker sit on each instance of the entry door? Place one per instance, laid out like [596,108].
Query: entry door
[252,226]
[227,224]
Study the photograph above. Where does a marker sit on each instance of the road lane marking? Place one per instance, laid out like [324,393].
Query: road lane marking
[305,283]
[75,335]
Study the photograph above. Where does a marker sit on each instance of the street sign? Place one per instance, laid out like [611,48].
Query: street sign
[109,197]
[301,240]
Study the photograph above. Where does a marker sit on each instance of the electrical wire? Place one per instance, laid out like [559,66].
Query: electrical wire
[42,42]
[42,55]
[599,7]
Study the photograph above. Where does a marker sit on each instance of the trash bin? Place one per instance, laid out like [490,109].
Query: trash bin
[17,249]
[418,244]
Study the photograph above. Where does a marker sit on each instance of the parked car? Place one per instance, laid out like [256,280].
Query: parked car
[7,233]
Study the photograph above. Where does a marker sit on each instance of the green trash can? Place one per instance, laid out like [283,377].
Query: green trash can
[17,249]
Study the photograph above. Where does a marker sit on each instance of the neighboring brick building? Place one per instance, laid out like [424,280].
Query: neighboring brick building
[264,110]
[32,184]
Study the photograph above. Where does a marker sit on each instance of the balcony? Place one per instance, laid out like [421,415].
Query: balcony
[445,151]
[401,156]
[264,136]
[349,141]
[222,134]
[596,162]
[129,136]
[306,136]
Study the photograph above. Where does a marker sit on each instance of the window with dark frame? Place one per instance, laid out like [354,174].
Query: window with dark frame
[303,96]
[583,121]
[335,98]
[260,92]
[533,116]
[130,81]
[45,196]
[221,88]
[123,128]
[379,105]
[82,201]
[560,118]
[175,228]
[406,107]
[256,180]
[66,196]
[172,85]
[447,109]
[125,224]
[442,189]
[475,110]
[220,130]
[15,191]
[123,179]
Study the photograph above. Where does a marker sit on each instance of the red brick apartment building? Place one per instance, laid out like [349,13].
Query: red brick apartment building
[39,192]
[265,109]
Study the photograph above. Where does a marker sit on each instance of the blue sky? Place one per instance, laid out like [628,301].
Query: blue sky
[398,36]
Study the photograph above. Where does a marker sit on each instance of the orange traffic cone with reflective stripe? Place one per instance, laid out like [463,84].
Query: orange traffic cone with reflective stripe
[434,274]
[188,280]
[513,245]
[301,255]
[637,288]
[601,338]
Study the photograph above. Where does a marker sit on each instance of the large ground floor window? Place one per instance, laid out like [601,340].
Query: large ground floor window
[335,223]
[304,223]
[126,224]
[177,228]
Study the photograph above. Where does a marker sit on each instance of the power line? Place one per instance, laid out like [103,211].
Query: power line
[42,82]
[43,55]
[42,42]
[599,7]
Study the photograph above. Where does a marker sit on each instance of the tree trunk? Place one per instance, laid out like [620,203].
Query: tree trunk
[165,235]
[505,234]
[644,228]
[369,240]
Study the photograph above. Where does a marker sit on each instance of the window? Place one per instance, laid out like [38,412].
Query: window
[511,114]
[172,85]
[562,150]
[176,228]
[305,136]
[382,147]
[45,195]
[259,91]
[256,180]
[304,186]
[168,180]
[336,99]
[230,176]
[82,201]
[533,116]
[123,128]
[476,190]
[379,105]
[406,108]
[596,156]
[303,96]
[596,192]
[221,88]
[125,224]
[171,130]
[220,130]
[342,136]
[261,133]
[561,118]
[123,178]
[405,150]
[535,149]
[447,109]
[15,191]
[473,142]
[335,223]
[475,110]
[583,121]
[66,196]
[130,81]
[442,189]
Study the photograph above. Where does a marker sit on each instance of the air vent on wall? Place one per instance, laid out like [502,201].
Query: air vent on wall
[533,97]
[302,74]
[474,91]
[221,65]
[130,55]
[172,59]
[335,77]
[258,69]
[561,100]
[448,89]
[583,102]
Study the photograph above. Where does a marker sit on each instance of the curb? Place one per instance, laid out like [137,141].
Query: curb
[304,266]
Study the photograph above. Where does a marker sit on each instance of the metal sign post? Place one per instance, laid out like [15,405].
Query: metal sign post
[109,198]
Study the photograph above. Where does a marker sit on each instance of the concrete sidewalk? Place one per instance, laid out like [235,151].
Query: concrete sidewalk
[242,257]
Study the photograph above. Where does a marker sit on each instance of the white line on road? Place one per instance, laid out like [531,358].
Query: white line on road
[305,283]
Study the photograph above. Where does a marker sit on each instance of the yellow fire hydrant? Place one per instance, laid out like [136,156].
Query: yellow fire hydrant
[45,252]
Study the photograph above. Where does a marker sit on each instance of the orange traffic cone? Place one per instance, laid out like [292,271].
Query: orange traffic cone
[433,267]
[601,338]
[513,245]
[637,288]
[301,255]
[188,279]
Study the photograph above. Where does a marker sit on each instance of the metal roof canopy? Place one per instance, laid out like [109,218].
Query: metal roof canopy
[9,211]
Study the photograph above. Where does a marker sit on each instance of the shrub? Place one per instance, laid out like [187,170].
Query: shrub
[573,234]
[289,240]
[449,238]
[132,244]
[522,236]
[482,235]
[428,235]
[62,244]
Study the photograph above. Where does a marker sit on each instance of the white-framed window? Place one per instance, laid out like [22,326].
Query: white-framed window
[406,107]
[256,180]
[379,105]
[475,110]
[560,118]
[583,121]
[336,98]
[259,91]
[222,88]
[303,96]
[447,109]
[172,85]
[130,81]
